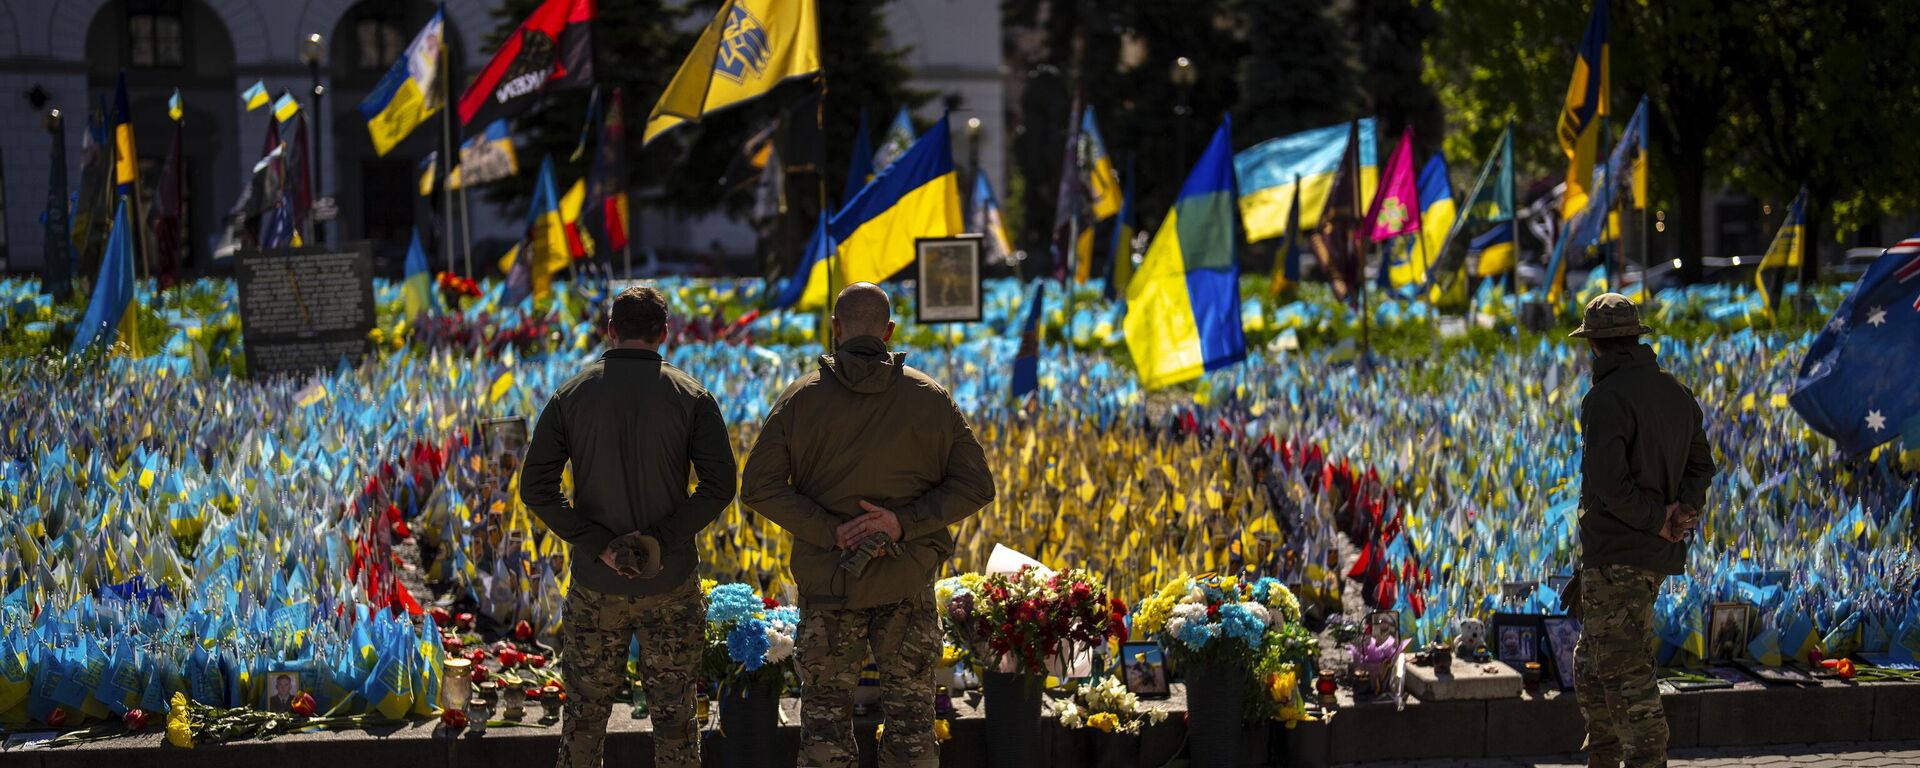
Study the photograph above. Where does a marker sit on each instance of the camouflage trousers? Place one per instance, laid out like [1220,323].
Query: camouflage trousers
[1613,667]
[596,634]
[904,639]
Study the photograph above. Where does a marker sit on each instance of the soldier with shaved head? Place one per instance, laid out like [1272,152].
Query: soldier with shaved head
[866,462]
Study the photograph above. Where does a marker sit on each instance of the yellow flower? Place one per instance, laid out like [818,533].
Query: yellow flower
[1105,721]
[707,585]
[950,655]
[179,722]
[941,731]
[880,732]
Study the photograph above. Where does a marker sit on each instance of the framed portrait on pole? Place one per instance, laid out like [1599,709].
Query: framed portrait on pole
[947,284]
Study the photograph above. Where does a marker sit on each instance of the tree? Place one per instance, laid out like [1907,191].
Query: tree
[1392,33]
[1298,73]
[1814,86]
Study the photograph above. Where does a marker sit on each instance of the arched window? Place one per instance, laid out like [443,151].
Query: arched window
[155,33]
[379,36]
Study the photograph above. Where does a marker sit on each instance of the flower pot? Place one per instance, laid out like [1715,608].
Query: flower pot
[1013,719]
[1116,750]
[749,722]
[1216,696]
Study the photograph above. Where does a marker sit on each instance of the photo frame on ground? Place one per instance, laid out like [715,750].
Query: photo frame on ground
[1383,625]
[1563,633]
[282,688]
[1143,667]
[1730,628]
[947,284]
[1515,639]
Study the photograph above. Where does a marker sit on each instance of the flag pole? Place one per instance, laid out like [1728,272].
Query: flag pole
[833,252]
[446,156]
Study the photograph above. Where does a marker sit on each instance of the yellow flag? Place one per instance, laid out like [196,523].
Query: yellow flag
[750,47]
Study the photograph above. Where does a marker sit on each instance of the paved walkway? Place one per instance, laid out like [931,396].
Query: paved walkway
[1887,754]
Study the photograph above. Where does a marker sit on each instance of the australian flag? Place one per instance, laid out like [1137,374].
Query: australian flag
[1856,384]
[1026,362]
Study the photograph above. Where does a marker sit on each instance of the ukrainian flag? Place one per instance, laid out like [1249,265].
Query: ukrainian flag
[1286,258]
[544,251]
[1183,305]
[110,313]
[988,220]
[1585,111]
[750,47]
[284,108]
[255,96]
[407,95]
[1103,183]
[1785,252]
[1495,249]
[917,196]
[1267,174]
[417,291]
[1437,214]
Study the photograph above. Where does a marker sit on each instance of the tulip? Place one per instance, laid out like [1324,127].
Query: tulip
[134,719]
[303,704]
[523,631]
[536,660]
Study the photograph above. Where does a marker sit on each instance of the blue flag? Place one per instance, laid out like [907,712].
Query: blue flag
[1856,383]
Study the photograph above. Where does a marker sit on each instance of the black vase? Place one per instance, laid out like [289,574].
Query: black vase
[1216,696]
[1013,719]
[750,722]
[1116,750]
[1065,746]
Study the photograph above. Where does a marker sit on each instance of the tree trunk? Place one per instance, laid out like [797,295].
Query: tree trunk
[1686,235]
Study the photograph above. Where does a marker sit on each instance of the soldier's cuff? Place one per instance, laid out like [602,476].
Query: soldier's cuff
[916,522]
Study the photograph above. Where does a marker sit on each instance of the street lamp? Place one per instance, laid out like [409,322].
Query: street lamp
[973,158]
[313,51]
[1183,77]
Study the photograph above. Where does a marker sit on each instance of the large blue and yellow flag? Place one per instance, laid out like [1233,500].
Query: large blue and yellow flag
[126,160]
[544,250]
[1437,214]
[1785,252]
[806,288]
[1585,111]
[1183,305]
[917,196]
[410,92]
[1488,201]
[110,313]
[1103,183]
[1268,172]
[1494,249]
[750,47]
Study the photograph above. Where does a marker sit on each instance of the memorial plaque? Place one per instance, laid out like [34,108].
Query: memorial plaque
[305,308]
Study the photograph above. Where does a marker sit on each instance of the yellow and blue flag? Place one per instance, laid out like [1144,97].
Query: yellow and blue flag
[484,158]
[285,107]
[1183,305]
[409,93]
[750,47]
[544,250]
[989,221]
[1268,172]
[1026,361]
[918,196]
[1286,258]
[1494,249]
[1120,266]
[255,96]
[1585,111]
[417,290]
[1437,214]
[110,312]
[126,161]
[806,288]
[1103,183]
[1785,252]
[175,109]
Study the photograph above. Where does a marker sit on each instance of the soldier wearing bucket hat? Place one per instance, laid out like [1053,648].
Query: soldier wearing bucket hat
[1645,470]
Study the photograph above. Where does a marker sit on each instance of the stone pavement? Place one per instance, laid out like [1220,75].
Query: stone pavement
[1891,754]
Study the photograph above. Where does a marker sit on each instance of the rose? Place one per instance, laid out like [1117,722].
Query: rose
[464,621]
[451,644]
[477,655]
[522,631]
[769,603]
[303,704]
[478,675]
[134,719]
[536,660]
[440,616]
[511,657]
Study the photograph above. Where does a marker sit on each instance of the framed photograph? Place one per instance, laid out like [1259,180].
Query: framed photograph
[1516,639]
[1562,634]
[1144,669]
[1729,632]
[948,284]
[506,432]
[1384,624]
[282,687]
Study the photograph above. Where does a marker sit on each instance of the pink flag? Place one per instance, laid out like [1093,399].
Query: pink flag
[1396,207]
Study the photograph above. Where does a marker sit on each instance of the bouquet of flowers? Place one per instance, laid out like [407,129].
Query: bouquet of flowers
[1029,618]
[1105,706]
[749,638]
[1220,618]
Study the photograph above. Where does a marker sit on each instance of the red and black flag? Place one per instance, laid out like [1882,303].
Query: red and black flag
[1333,242]
[551,49]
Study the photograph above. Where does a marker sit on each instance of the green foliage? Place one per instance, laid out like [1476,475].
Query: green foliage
[1392,33]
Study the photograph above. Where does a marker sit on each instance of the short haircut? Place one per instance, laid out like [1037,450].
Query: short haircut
[639,314]
[863,309]
[1608,345]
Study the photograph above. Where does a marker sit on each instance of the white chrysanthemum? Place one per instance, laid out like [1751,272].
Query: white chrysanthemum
[1174,626]
[1259,612]
[779,643]
[1190,611]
